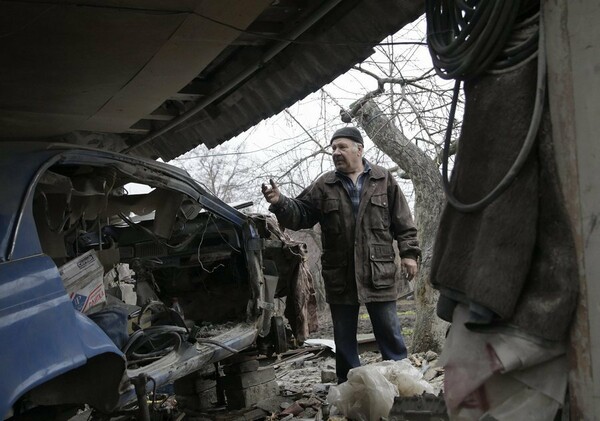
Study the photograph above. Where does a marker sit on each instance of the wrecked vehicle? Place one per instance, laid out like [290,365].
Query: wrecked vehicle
[108,294]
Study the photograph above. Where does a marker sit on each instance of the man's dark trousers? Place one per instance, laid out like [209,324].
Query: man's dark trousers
[386,327]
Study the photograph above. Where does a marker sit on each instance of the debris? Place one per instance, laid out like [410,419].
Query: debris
[321,388]
[308,413]
[416,359]
[430,355]
[430,374]
[367,395]
[306,375]
[424,407]
[293,409]
[370,390]
[329,343]
[407,379]
[328,376]
[243,415]
[366,342]
[273,404]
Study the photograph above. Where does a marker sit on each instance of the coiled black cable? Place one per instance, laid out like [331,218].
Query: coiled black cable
[154,342]
[469,37]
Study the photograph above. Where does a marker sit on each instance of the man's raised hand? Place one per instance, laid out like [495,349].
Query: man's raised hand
[271,193]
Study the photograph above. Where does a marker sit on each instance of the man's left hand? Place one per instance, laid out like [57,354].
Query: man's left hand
[409,267]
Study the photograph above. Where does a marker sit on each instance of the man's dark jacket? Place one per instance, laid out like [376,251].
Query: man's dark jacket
[358,255]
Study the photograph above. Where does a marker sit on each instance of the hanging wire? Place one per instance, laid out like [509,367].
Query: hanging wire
[200,246]
[467,38]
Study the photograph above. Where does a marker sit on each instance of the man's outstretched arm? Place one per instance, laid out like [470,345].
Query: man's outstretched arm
[291,213]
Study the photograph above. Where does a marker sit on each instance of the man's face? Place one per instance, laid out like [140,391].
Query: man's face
[347,154]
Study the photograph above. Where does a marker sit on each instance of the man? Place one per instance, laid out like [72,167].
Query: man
[361,211]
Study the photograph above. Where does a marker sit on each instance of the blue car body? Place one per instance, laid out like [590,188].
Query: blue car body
[43,337]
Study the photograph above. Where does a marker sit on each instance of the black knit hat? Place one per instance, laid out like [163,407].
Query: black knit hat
[348,132]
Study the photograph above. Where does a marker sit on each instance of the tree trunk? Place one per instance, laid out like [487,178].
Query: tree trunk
[429,332]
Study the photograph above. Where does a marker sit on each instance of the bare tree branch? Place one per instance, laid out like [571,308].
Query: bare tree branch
[321,148]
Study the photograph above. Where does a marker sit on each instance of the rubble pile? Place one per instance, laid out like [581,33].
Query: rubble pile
[305,377]
[427,363]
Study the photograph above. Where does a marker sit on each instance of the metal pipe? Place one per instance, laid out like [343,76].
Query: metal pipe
[272,52]
[139,384]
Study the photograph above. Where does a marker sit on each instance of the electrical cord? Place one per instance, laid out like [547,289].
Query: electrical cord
[477,36]
[470,37]
[153,343]
[521,48]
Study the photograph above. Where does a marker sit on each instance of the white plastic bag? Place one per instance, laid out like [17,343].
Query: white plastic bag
[370,390]
[407,378]
[367,395]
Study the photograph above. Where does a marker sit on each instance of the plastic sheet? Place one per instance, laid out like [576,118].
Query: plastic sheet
[370,390]
[504,376]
